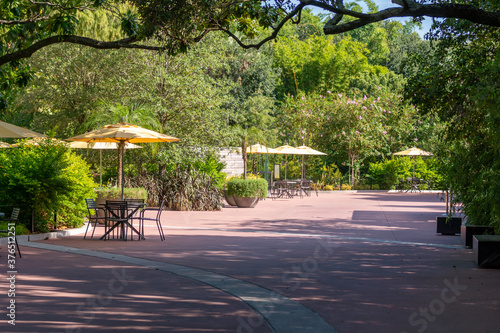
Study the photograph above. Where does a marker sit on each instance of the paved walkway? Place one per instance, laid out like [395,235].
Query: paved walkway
[339,262]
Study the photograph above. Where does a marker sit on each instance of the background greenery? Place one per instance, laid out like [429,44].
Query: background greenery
[359,96]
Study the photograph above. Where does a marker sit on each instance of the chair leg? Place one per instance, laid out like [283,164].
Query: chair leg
[86,230]
[160,230]
[93,230]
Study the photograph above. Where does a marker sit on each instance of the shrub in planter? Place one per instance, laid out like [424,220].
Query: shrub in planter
[247,188]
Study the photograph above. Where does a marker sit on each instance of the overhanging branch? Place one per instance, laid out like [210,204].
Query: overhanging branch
[127,43]
[413,9]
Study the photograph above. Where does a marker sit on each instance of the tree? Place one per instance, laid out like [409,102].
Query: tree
[459,82]
[28,26]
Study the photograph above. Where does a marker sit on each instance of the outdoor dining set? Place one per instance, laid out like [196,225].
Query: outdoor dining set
[290,188]
[118,217]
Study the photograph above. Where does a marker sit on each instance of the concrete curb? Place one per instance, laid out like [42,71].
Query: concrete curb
[47,235]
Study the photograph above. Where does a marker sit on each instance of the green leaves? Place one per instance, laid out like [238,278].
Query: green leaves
[48,179]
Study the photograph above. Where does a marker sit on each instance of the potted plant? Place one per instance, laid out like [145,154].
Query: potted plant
[447,224]
[246,192]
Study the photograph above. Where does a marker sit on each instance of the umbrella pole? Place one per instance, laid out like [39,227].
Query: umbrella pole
[100,163]
[413,166]
[303,167]
[121,150]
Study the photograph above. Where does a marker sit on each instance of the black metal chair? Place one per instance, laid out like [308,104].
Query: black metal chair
[93,216]
[157,219]
[14,218]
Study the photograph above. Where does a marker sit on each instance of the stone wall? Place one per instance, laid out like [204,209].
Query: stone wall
[233,161]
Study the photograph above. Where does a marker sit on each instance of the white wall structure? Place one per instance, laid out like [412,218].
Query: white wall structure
[233,160]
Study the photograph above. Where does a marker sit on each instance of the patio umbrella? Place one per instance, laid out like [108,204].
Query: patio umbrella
[413,152]
[261,149]
[305,150]
[288,150]
[12,131]
[101,146]
[122,133]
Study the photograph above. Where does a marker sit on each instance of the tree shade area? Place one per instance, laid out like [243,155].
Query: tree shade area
[349,82]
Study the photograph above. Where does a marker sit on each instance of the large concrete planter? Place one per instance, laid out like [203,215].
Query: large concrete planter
[448,225]
[468,231]
[229,199]
[243,202]
[487,250]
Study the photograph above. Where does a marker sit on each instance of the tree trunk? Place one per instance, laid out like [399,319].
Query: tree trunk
[244,156]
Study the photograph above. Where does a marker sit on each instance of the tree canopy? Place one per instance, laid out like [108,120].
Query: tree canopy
[26,26]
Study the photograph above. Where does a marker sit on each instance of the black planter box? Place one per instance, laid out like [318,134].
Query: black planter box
[467,231]
[487,250]
[448,225]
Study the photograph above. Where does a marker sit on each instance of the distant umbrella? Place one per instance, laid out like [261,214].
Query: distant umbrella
[413,152]
[288,150]
[101,146]
[12,131]
[305,150]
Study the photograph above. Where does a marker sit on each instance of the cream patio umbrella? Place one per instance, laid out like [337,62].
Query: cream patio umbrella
[12,131]
[101,146]
[122,133]
[305,150]
[288,150]
[261,149]
[413,152]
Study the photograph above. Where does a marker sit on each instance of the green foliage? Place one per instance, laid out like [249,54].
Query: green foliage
[183,189]
[458,81]
[114,193]
[212,167]
[330,174]
[388,173]
[247,188]
[48,179]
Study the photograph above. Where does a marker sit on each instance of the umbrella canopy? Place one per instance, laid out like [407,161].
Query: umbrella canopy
[122,133]
[37,141]
[261,149]
[101,146]
[12,131]
[413,152]
[288,150]
[305,150]
[4,145]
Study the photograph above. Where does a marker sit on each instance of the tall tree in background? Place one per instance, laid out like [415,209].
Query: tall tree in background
[459,81]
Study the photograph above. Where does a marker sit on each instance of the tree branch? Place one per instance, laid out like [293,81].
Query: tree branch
[126,43]
[276,29]
[413,9]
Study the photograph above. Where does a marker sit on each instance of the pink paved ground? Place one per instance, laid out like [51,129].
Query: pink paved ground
[347,274]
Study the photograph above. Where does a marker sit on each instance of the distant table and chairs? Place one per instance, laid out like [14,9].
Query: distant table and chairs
[118,217]
[290,188]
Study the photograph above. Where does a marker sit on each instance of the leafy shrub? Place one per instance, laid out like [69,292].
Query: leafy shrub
[388,172]
[247,188]
[47,179]
[346,187]
[183,189]
[328,188]
[330,174]
[109,193]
